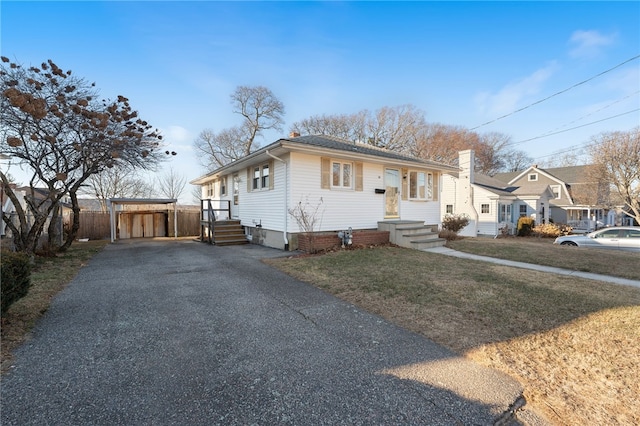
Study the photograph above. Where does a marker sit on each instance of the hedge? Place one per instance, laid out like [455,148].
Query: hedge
[15,277]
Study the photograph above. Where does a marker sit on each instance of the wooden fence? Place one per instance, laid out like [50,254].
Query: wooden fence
[96,225]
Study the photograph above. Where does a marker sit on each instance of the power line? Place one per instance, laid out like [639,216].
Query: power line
[593,112]
[573,128]
[557,93]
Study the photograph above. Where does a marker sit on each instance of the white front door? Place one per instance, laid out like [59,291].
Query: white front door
[391,193]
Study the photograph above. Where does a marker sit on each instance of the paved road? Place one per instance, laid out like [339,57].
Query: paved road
[183,333]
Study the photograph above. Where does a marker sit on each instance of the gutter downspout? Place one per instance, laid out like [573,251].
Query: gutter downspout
[286,198]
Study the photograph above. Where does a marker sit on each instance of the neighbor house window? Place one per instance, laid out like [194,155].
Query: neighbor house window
[341,175]
[523,210]
[556,190]
[533,177]
[449,209]
[484,208]
[505,212]
[420,185]
[210,191]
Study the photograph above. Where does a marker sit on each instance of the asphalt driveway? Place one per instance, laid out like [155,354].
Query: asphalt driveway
[184,333]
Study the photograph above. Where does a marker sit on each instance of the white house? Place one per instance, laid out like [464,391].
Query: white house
[490,203]
[340,184]
[577,199]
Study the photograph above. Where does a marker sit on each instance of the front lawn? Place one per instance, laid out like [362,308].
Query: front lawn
[573,343]
[542,251]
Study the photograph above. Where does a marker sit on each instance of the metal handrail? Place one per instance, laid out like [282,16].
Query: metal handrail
[210,220]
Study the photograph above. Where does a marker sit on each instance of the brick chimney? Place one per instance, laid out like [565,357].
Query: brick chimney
[294,135]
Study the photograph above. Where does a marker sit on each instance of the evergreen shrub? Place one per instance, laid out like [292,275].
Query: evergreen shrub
[525,226]
[15,277]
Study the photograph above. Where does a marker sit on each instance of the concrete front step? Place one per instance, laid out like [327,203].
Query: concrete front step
[412,234]
[427,244]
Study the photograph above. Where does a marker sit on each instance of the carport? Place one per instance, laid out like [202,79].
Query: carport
[113,202]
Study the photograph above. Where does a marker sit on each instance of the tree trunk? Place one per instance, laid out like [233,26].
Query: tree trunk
[75,223]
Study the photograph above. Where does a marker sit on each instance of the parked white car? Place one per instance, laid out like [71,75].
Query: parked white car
[619,237]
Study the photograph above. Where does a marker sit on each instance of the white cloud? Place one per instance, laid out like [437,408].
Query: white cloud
[177,134]
[510,97]
[588,44]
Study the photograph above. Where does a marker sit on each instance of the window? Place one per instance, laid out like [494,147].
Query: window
[341,175]
[265,176]
[505,213]
[236,189]
[420,185]
[223,186]
[260,177]
[533,177]
[210,191]
[484,208]
[449,209]
[523,210]
[556,190]
[632,233]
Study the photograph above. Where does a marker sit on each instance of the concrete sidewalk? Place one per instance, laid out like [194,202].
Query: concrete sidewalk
[606,278]
[184,333]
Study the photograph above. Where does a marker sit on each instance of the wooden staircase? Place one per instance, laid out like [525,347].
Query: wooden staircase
[227,233]
[412,234]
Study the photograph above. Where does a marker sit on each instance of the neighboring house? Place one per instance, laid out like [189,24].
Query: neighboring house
[578,200]
[490,204]
[39,194]
[347,185]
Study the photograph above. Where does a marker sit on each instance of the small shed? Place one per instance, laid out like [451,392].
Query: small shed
[141,223]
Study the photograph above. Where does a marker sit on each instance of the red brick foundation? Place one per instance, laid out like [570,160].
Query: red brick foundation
[322,240]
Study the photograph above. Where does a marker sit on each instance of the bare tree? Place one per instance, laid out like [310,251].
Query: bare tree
[350,127]
[261,110]
[515,160]
[218,149]
[574,157]
[491,150]
[116,182]
[53,124]
[171,184]
[616,157]
[394,128]
[441,142]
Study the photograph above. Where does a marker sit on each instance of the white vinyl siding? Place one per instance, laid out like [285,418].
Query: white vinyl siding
[263,206]
[359,207]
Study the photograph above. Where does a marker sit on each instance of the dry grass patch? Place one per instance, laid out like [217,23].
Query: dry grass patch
[542,251]
[584,372]
[504,317]
[49,276]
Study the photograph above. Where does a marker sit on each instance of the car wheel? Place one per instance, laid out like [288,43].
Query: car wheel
[569,243]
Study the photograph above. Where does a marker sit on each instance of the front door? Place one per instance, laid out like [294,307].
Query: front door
[391,193]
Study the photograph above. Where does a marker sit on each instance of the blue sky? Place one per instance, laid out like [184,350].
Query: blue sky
[462,63]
